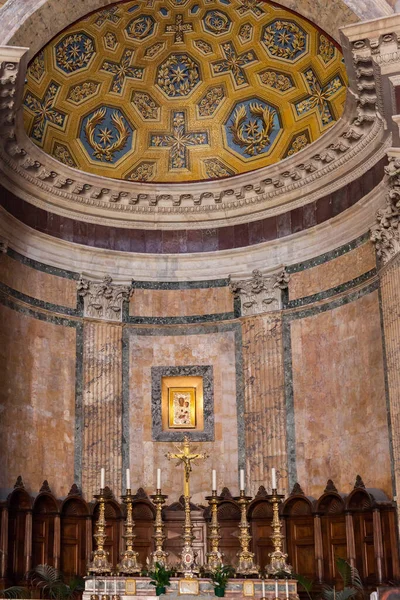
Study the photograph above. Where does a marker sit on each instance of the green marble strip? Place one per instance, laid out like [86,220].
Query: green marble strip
[327,256]
[38,266]
[338,289]
[64,310]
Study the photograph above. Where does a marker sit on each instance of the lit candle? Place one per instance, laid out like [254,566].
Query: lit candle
[214,480]
[159,479]
[273,475]
[241,480]
[102,478]
[287,588]
[276,589]
[128,479]
[263,588]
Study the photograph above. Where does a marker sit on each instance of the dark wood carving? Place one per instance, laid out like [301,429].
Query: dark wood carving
[74,514]
[333,527]
[300,533]
[44,513]
[143,514]
[260,517]
[19,511]
[229,519]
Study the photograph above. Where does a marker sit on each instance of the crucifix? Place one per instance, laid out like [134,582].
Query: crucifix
[186,457]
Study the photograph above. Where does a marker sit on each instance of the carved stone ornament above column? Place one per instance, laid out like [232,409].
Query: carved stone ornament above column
[385,233]
[261,293]
[3,246]
[103,300]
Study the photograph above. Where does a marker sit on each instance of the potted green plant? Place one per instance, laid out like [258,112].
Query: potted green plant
[160,578]
[352,584]
[219,578]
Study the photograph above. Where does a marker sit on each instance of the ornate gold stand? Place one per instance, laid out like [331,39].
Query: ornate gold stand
[214,556]
[188,565]
[129,564]
[277,563]
[99,563]
[246,564]
[159,555]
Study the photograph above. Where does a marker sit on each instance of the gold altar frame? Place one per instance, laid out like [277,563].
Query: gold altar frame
[182,383]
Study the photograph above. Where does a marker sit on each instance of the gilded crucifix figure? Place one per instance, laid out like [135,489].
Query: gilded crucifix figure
[185,456]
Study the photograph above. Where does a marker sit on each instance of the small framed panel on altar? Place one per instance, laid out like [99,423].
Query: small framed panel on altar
[248,588]
[130,587]
[189,586]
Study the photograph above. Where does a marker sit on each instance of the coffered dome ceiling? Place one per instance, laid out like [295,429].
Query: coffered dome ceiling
[183,90]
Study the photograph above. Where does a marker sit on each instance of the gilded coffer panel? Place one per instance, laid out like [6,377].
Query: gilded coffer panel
[183,90]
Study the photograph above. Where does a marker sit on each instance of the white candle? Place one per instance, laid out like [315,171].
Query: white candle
[128,479]
[159,479]
[273,475]
[214,480]
[241,480]
[287,588]
[263,588]
[102,478]
[276,589]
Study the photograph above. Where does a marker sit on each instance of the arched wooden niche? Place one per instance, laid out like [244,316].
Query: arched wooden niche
[297,511]
[143,514]
[113,517]
[74,555]
[229,519]
[19,511]
[260,516]
[331,508]
[44,542]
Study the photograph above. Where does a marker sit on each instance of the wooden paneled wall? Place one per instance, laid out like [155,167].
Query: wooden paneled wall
[360,527]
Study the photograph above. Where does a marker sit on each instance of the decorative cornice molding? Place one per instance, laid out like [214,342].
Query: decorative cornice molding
[260,293]
[385,234]
[103,300]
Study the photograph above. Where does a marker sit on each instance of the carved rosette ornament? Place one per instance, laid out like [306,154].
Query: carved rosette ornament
[261,293]
[385,233]
[103,300]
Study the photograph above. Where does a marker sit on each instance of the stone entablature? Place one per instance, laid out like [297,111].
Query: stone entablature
[385,232]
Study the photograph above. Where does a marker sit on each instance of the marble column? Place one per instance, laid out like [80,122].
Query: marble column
[265,413]
[102,407]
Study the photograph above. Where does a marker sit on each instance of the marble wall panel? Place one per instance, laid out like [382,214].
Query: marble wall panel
[145,456]
[265,412]
[36,283]
[390,298]
[37,402]
[332,273]
[181,303]
[341,426]
[102,407]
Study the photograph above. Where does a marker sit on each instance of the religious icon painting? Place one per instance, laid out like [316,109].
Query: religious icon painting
[182,407]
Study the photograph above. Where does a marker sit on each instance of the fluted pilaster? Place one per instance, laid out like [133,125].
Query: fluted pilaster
[265,414]
[102,407]
[390,299]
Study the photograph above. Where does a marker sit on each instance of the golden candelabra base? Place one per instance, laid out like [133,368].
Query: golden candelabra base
[159,555]
[129,564]
[188,566]
[245,565]
[277,564]
[99,564]
[214,556]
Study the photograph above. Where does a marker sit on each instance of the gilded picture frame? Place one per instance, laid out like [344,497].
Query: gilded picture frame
[182,407]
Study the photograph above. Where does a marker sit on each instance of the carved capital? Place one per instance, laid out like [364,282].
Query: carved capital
[260,293]
[103,300]
[385,232]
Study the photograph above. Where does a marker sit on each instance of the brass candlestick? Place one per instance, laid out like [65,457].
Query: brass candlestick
[99,563]
[278,558]
[129,564]
[159,555]
[246,564]
[188,565]
[214,556]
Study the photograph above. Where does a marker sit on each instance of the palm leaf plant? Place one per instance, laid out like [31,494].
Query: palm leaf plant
[52,585]
[15,592]
[352,584]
